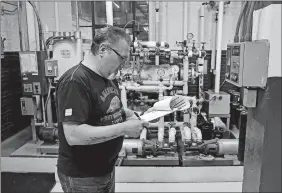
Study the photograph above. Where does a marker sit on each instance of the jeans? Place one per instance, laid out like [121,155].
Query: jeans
[89,184]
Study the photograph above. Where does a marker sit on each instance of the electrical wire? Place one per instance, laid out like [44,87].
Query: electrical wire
[131,21]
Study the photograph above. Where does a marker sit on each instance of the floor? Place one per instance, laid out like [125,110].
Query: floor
[173,187]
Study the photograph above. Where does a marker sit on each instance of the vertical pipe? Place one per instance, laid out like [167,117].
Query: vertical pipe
[186,115]
[31,28]
[57,23]
[49,107]
[77,16]
[152,21]
[157,21]
[185,75]
[161,120]
[43,110]
[134,18]
[79,51]
[109,12]
[123,97]
[93,19]
[214,27]
[202,24]
[20,26]
[219,38]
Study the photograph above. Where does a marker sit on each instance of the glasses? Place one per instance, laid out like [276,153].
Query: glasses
[122,58]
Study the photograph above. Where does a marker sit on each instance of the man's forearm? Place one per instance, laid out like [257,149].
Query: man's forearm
[88,135]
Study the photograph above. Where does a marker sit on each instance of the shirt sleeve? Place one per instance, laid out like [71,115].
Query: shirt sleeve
[73,102]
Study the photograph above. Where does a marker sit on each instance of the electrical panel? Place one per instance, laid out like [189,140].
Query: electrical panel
[216,103]
[27,106]
[51,68]
[247,64]
[33,77]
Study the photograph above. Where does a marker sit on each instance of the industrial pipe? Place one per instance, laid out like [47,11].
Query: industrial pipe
[165,82]
[157,21]
[123,96]
[166,124]
[57,23]
[219,38]
[214,26]
[150,44]
[109,12]
[202,24]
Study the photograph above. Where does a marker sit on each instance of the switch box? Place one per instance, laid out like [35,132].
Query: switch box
[216,103]
[27,106]
[33,77]
[249,98]
[247,64]
[51,68]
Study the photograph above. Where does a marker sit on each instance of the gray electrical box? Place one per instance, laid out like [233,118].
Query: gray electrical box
[217,103]
[27,106]
[247,64]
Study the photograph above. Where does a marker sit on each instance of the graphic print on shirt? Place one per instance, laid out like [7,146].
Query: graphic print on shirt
[113,114]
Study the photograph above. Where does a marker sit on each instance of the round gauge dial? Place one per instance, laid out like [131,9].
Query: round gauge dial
[190,36]
[161,72]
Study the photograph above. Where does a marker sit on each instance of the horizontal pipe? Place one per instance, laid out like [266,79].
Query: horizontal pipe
[166,124]
[150,44]
[165,82]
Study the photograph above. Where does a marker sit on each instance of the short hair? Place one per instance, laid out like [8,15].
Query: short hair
[109,34]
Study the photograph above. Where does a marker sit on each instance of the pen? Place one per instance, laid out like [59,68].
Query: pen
[136,114]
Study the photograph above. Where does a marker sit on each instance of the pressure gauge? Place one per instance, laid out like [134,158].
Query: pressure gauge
[190,36]
[161,72]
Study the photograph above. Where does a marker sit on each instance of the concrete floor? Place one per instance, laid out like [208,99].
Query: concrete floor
[172,187]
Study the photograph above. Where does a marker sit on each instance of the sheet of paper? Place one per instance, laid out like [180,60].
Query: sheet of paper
[167,106]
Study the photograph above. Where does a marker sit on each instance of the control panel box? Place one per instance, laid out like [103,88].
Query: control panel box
[216,103]
[247,64]
[51,68]
[27,106]
[33,77]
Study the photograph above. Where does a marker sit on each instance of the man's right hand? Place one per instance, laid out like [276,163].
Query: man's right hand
[134,127]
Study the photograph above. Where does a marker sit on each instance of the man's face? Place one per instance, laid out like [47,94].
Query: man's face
[114,58]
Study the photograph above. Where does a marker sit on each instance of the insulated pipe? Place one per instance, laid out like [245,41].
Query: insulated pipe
[202,24]
[218,54]
[161,120]
[165,82]
[185,75]
[57,23]
[166,124]
[143,134]
[77,16]
[109,12]
[157,21]
[171,135]
[123,96]
[186,115]
[79,51]
[214,26]
[150,44]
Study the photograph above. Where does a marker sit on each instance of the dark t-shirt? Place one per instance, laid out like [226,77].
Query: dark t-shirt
[85,97]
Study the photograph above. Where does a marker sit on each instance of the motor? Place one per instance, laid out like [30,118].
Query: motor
[48,134]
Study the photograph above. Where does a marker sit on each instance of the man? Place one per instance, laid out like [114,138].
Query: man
[92,121]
